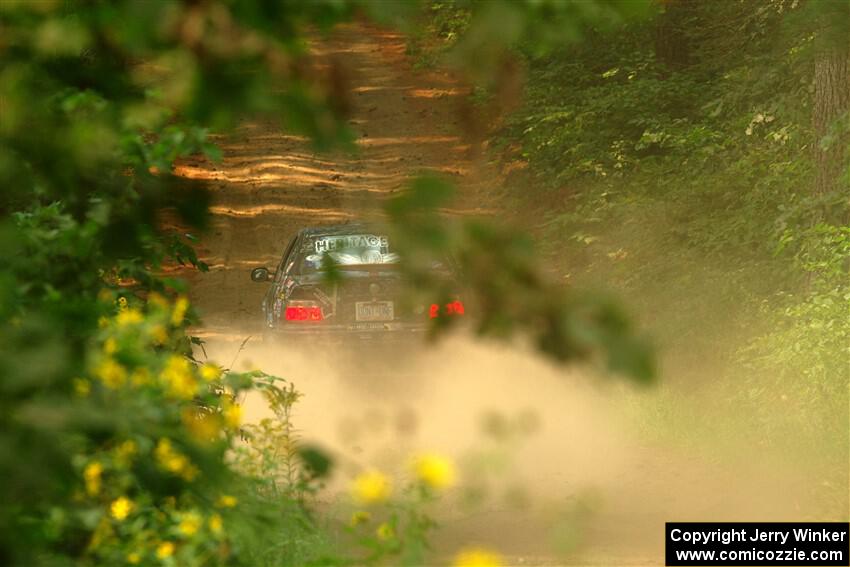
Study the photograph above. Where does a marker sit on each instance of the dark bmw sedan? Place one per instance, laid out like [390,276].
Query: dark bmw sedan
[365,301]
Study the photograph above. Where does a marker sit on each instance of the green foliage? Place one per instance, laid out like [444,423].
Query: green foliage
[96,102]
[501,274]
[685,142]
[271,453]
[687,184]
[806,352]
[478,35]
[136,444]
[444,24]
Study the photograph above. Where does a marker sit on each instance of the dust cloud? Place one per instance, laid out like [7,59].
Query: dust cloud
[559,470]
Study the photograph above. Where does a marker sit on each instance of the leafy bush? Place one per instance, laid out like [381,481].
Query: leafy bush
[114,443]
[688,186]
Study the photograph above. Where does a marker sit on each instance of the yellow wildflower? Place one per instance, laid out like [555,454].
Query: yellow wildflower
[360,517]
[169,458]
[189,524]
[110,345]
[178,378]
[210,372]
[121,508]
[175,462]
[371,487]
[158,334]
[164,550]
[91,475]
[434,471]
[122,303]
[134,558]
[125,451]
[477,557]
[111,373]
[232,413]
[385,531]
[203,425]
[129,317]
[227,501]
[82,387]
[158,300]
[180,308]
[216,524]
[190,472]
[140,377]
[103,322]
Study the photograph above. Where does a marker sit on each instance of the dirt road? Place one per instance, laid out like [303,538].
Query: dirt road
[270,184]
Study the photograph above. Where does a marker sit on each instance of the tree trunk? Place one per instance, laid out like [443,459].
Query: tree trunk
[831,103]
[672,47]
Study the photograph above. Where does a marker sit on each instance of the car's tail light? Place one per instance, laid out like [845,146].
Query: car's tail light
[454,308]
[451,309]
[303,311]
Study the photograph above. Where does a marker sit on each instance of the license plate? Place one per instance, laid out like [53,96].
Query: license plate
[374,310]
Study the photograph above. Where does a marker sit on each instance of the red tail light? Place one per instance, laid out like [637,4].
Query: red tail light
[303,311]
[451,309]
[454,308]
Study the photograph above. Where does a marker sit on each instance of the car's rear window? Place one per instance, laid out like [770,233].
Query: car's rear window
[361,249]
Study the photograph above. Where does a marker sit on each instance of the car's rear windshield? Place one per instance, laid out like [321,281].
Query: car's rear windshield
[360,249]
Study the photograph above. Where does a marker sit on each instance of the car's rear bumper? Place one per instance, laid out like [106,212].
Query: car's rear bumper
[358,332]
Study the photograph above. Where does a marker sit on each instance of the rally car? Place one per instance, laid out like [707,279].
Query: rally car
[365,300]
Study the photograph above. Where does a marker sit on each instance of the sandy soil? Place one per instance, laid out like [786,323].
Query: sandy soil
[584,457]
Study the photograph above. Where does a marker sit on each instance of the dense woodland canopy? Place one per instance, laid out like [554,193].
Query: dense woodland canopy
[689,158]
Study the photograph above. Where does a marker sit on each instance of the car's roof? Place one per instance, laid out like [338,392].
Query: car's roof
[334,229]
